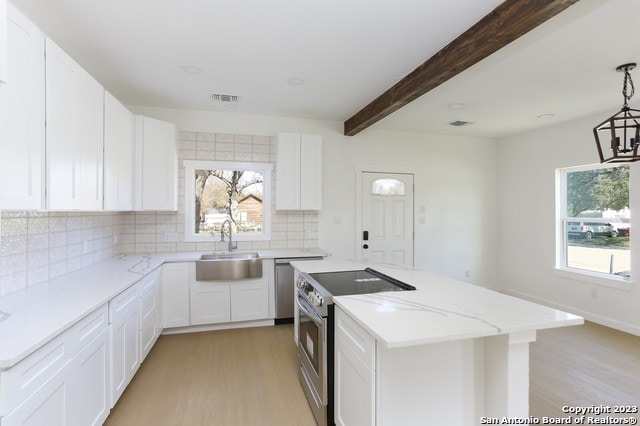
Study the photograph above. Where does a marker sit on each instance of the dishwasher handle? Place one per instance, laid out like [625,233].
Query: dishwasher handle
[286,261]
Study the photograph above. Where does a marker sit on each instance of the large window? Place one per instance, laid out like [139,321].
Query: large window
[594,221]
[218,191]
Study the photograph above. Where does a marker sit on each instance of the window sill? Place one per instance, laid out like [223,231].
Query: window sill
[594,278]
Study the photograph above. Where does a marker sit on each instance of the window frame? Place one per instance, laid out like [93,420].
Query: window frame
[191,166]
[561,268]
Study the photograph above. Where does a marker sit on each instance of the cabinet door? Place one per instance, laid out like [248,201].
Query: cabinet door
[249,301]
[3,41]
[175,294]
[149,296]
[354,388]
[88,383]
[119,149]
[22,106]
[91,112]
[156,165]
[354,375]
[210,304]
[74,110]
[299,172]
[125,350]
[46,406]
[288,172]
[311,172]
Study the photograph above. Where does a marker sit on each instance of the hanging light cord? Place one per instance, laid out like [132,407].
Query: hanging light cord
[627,82]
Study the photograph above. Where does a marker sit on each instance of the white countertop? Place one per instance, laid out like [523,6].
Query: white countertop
[440,309]
[31,317]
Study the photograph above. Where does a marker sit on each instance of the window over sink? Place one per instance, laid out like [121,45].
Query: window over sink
[216,191]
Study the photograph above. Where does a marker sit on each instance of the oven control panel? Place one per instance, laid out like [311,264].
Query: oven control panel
[312,295]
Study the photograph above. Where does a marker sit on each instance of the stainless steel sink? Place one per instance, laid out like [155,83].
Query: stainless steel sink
[228,266]
[230,255]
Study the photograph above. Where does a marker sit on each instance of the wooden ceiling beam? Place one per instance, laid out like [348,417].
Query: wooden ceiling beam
[506,23]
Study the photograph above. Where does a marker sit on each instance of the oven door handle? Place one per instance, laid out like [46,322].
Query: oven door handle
[312,316]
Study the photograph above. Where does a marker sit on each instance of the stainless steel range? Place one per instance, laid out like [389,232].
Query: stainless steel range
[315,328]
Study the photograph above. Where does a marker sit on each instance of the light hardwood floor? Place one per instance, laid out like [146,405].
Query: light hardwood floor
[249,377]
[583,366]
[229,377]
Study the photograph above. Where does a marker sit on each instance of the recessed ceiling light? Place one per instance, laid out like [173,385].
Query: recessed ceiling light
[191,69]
[456,106]
[546,116]
[295,81]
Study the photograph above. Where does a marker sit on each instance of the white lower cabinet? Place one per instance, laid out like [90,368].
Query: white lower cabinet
[186,302]
[210,304]
[249,301]
[149,312]
[124,311]
[176,277]
[89,384]
[355,374]
[214,303]
[65,382]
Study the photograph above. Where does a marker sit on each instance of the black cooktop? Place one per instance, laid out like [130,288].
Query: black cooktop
[358,282]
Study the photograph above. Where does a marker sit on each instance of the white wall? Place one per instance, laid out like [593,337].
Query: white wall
[455,181]
[527,222]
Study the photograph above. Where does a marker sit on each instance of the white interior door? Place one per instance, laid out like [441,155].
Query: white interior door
[387,217]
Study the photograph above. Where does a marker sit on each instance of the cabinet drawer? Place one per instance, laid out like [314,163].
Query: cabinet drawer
[23,379]
[150,282]
[356,338]
[148,304]
[119,304]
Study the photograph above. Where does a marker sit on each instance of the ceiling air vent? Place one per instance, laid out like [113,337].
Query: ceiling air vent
[460,123]
[218,97]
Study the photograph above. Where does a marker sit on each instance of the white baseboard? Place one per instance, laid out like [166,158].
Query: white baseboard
[211,327]
[589,316]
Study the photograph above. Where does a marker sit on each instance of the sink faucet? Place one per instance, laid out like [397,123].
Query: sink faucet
[231,245]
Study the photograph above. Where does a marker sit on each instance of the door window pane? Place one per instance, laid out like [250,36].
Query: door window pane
[387,186]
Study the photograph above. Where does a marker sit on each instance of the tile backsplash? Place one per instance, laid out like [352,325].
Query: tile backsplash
[38,246]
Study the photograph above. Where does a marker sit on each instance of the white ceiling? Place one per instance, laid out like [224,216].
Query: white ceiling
[347,52]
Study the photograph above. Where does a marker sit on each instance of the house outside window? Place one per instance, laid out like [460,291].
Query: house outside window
[593,221]
[217,191]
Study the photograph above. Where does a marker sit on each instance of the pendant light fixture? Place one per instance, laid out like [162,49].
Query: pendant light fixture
[620,133]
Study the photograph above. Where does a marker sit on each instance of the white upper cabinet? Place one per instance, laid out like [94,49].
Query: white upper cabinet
[299,172]
[156,165]
[119,150]
[4,56]
[22,117]
[74,134]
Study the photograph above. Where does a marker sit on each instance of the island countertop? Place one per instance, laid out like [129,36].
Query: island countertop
[440,309]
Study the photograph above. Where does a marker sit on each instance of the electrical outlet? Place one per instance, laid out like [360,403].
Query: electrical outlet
[170,237]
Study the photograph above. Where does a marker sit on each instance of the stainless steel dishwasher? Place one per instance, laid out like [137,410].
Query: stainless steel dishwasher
[284,288]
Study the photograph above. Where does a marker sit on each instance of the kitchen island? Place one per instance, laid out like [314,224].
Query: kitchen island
[447,353]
